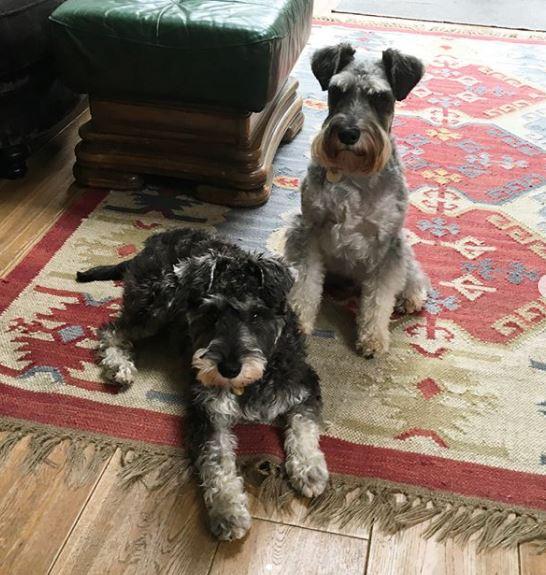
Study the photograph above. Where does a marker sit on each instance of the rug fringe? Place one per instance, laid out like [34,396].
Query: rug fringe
[348,500]
[156,467]
[156,470]
[394,508]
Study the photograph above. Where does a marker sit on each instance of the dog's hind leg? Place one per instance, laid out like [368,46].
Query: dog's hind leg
[414,294]
[303,253]
[213,450]
[146,308]
[305,462]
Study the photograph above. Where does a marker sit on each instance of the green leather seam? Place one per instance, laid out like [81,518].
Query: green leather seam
[179,48]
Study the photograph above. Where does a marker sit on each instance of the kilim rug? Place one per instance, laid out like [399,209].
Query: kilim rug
[451,424]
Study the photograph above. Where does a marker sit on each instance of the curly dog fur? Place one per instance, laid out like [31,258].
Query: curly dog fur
[249,357]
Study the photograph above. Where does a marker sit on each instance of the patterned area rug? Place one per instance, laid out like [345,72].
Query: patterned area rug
[451,425]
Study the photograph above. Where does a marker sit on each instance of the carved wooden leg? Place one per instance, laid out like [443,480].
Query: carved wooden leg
[99,178]
[284,128]
[13,162]
[294,128]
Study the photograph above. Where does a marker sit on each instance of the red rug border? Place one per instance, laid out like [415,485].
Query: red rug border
[40,254]
[450,34]
[365,461]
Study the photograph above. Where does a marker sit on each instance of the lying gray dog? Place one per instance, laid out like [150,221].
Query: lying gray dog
[249,357]
[354,196]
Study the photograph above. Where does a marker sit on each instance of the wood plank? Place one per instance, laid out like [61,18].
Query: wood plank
[297,516]
[530,562]
[408,553]
[137,531]
[29,207]
[276,549]
[37,511]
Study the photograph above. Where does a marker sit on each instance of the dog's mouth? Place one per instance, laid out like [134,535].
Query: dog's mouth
[207,373]
[369,153]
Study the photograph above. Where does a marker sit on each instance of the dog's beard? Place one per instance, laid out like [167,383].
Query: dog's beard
[370,154]
[252,369]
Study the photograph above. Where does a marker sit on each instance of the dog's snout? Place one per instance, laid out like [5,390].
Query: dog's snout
[229,368]
[349,136]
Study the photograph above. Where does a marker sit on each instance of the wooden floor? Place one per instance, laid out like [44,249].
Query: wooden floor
[47,527]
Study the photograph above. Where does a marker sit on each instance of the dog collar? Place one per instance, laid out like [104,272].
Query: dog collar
[333,176]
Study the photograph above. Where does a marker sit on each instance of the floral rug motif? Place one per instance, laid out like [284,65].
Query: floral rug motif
[454,418]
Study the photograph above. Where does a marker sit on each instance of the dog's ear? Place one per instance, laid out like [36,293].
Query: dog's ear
[328,61]
[277,278]
[403,72]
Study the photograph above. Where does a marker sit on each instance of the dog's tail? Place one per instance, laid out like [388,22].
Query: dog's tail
[103,273]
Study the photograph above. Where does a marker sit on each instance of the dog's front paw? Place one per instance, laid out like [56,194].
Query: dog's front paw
[308,476]
[230,524]
[305,312]
[122,376]
[125,375]
[118,367]
[306,320]
[412,303]
[372,345]
[306,327]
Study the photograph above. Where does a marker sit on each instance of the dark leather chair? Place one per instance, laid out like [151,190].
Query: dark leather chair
[32,98]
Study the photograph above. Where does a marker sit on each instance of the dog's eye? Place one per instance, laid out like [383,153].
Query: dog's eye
[334,94]
[382,102]
[259,313]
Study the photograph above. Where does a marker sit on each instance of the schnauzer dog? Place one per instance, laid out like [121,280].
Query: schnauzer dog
[354,196]
[249,357]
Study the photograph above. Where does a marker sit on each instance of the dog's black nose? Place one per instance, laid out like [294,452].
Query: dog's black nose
[229,369]
[349,136]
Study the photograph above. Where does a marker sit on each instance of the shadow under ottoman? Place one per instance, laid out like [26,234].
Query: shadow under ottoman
[197,89]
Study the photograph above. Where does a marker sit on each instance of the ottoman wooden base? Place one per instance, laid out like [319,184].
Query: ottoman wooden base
[229,154]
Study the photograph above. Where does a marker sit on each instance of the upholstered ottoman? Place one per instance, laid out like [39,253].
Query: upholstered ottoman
[196,89]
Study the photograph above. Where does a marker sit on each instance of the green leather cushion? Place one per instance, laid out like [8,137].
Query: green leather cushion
[230,53]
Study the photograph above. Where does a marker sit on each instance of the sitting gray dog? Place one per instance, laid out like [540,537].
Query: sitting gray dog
[248,356]
[354,196]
